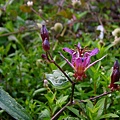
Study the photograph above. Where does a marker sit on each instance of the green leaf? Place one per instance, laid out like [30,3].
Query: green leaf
[10,105]
[58,80]
[117,83]
[109,115]
[9,25]
[81,15]
[100,104]
[61,100]
[44,114]
[76,27]
[89,104]
[93,110]
[39,91]
[75,111]
[2,30]
[50,96]
[66,13]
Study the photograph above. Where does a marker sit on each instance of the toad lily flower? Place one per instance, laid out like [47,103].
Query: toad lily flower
[80,60]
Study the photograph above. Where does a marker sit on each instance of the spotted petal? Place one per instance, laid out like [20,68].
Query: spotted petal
[94,62]
[79,46]
[91,53]
[66,60]
[94,52]
[70,51]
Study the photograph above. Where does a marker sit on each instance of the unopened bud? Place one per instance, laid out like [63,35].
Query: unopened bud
[101,42]
[116,32]
[58,27]
[76,3]
[115,76]
[116,41]
[44,33]
[44,56]
[40,11]
[45,83]
[46,45]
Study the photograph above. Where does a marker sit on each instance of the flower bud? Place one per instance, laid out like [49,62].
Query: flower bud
[76,3]
[46,45]
[58,27]
[115,76]
[44,56]
[116,32]
[40,11]
[45,83]
[44,33]
[30,3]
[116,41]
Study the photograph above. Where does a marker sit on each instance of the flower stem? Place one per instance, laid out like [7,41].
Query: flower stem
[19,31]
[60,111]
[96,97]
[80,101]
[73,87]
[38,14]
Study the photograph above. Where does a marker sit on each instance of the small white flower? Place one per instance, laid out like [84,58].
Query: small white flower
[116,32]
[30,3]
[101,29]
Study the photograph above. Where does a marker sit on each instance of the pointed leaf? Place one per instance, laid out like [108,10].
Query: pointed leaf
[75,111]
[61,100]
[45,114]
[10,105]
[109,115]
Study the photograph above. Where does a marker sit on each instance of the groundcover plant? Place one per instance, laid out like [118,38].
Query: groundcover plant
[59,60]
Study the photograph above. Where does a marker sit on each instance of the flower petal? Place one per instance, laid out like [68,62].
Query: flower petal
[79,65]
[70,51]
[94,52]
[67,60]
[79,46]
[91,53]
[94,63]
[87,61]
[73,57]
[79,62]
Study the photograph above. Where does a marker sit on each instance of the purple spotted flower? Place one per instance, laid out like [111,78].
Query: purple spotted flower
[115,76]
[80,61]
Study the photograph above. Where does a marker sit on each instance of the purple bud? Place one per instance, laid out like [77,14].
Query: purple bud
[44,33]
[116,65]
[46,45]
[44,56]
[45,83]
[115,76]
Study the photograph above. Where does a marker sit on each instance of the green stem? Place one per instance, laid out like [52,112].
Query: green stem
[60,111]
[73,88]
